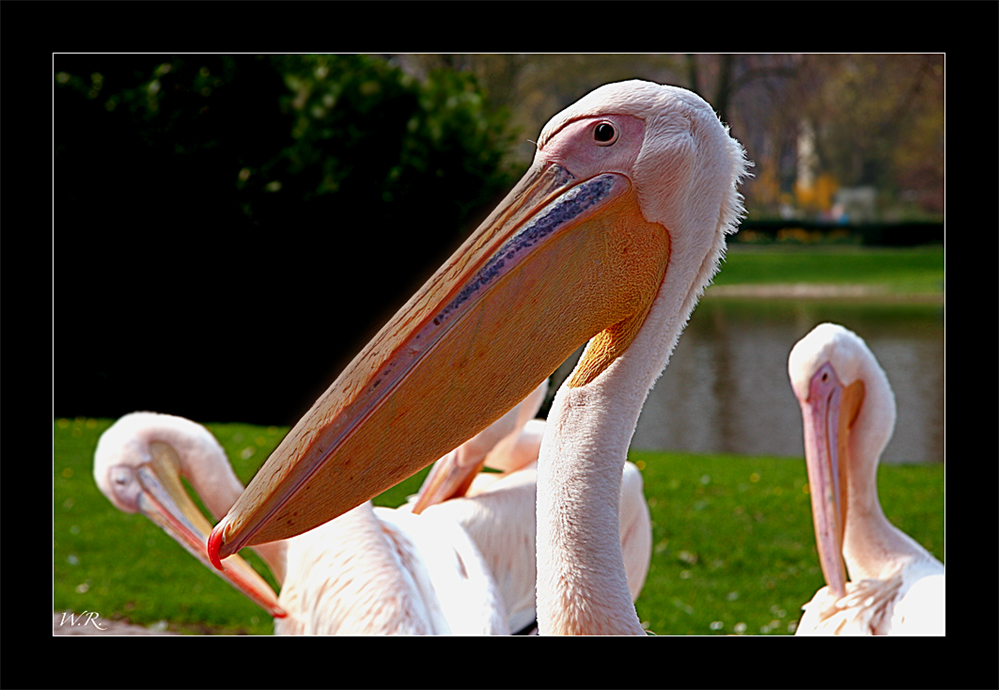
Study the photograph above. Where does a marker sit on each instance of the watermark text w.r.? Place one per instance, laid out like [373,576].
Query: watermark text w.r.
[77,619]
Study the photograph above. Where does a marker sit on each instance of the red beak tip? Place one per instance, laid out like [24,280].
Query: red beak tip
[214,546]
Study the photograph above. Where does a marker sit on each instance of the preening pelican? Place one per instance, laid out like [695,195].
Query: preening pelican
[138,464]
[848,409]
[370,571]
[610,237]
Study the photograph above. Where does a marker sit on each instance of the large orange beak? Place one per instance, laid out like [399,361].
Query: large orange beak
[165,501]
[828,414]
[561,260]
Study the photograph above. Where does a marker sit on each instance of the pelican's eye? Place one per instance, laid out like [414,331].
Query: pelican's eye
[121,475]
[605,133]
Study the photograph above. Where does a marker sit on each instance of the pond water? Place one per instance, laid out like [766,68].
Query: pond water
[726,388]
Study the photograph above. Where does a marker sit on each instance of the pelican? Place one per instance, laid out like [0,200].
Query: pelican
[138,463]
[896,587]
[370,571]
[609,239]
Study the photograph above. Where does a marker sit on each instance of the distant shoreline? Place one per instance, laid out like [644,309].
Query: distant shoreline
[818,291]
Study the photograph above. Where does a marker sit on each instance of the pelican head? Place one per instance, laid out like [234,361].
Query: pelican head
[848,411]
[626,204]
[138,465]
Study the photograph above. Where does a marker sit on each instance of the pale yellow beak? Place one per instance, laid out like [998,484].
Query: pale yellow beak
[560,261]
[828,413]
[165,501]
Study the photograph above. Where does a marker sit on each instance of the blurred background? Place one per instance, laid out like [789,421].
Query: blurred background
[230,230]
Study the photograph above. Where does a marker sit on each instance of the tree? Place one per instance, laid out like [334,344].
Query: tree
[233,203]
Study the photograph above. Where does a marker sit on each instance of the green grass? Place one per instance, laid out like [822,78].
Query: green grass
[733,543]
[916,270]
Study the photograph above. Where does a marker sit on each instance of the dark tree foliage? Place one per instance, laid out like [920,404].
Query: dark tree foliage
[230,230]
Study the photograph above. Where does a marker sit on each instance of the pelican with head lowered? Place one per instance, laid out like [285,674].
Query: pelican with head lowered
[610,237]
[848,411]
[371,571]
